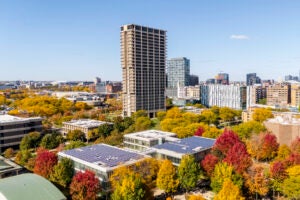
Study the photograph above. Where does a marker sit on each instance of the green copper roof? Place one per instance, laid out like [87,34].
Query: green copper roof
[28,187]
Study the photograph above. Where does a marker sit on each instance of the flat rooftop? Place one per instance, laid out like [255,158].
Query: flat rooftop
[13,119]
[103,155]
[150,135]
[86,123]
[285,120]
[187,145]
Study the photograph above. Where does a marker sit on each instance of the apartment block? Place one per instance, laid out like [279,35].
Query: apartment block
[232,96]
[295,95]
[255,93]
[13,129]
[279,94]
[143,60]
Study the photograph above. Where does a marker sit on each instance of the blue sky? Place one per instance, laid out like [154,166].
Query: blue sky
[80,39]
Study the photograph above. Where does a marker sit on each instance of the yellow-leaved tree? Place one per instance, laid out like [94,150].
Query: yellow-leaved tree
[166,177]
[229,191]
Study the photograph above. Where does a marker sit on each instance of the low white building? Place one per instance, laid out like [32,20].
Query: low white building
[142,141]
[84,125]
[102,159]
[174,151]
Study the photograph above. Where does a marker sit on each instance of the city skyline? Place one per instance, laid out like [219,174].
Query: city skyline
[55,40]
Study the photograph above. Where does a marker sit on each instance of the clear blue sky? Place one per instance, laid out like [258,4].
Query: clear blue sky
[80,39]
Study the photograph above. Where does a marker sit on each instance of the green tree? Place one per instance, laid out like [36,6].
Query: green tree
[188,172]
[105,130]
[74,144]
[22,157]
[30,140]
[229,191]
[51,140]
[142,123]
[63,172]
[246,129]
[75,135]
[166,177]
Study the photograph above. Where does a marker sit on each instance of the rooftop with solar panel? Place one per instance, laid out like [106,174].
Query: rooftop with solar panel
[102,155]
[187,145]
[195,145]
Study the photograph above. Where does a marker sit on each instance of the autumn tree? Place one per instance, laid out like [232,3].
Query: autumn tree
[256,181]
[148,169]
[263,147]
[84,185]
[208,163]
[44,163]
[229,191]
[142,123]
[261,114]
[62,172]
[188,172]
[224,143]
[238,157]
[227,114]
[246,129]
[295,145]
[277,174]
[222,172]
[9,153]
[209,117]
[199,131]
[283,152]
[166,177]
[291,185]
[196,197]
[131,187]
[75,135]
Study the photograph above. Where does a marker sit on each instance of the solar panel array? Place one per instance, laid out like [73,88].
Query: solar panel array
[187,145]
[102,154]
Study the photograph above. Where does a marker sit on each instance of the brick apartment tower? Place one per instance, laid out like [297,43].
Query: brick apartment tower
[143,59]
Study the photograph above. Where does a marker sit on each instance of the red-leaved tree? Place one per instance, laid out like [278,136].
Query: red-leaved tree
[225,142]
[238,157]
[44,163]
[293,159]
[269,146]
[85,185]
[199,131]
[277,170]
[208,163]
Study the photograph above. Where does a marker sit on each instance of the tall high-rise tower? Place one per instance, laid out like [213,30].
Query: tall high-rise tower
[178,70]
[143,59]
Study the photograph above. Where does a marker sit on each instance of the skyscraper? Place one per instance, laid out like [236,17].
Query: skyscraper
[252,79]
[222,78]
[143,59]
[178,70]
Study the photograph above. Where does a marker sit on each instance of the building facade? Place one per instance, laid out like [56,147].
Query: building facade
[84,125]
[222,78]
[252,79]
[13,129]
[295,95]
[143,60]
[144,140]
[178,70]
[194,80]
[232,96]
[279,94]
[196,146]
[255,93]
[102,159]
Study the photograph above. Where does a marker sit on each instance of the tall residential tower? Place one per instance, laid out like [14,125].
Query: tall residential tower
[143,59]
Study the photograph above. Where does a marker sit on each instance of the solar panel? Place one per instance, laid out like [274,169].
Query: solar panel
[187,145]
[103,154]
